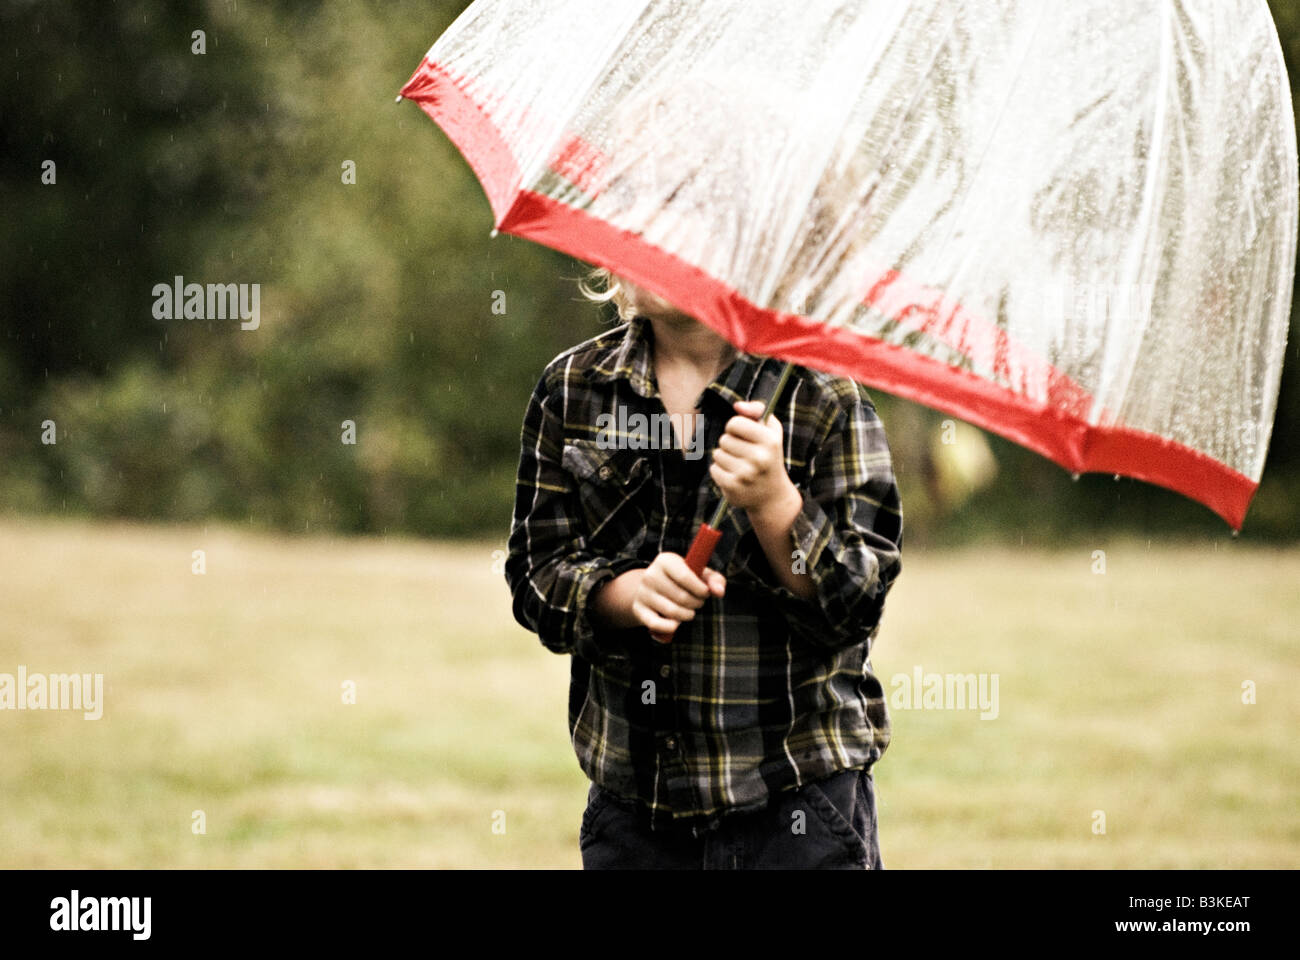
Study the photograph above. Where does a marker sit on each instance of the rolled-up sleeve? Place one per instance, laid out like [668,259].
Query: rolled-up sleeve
[848,534]
[550,571]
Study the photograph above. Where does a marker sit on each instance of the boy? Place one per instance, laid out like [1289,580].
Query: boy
[746,741]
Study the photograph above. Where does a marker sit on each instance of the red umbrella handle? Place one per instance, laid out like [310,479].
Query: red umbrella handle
[697,558]
[707,537]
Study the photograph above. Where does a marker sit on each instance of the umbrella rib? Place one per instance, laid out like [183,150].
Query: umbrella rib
[979,163]
[1002,111]
[895,135]
[529,166]
[1134,265]
[791,232]
[892,143]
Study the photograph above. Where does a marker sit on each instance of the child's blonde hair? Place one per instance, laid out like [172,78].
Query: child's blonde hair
[605,286]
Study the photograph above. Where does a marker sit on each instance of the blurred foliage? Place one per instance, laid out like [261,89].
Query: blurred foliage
[376,298]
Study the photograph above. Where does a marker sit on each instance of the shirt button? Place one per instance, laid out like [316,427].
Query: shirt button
[665,670]
[604,473]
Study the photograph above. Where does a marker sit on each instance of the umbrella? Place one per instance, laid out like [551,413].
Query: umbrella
[1069,222]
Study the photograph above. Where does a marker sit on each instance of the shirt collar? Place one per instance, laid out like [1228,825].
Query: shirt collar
[631,362]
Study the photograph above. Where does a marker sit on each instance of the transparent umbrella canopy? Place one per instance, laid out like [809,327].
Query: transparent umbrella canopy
[1069,222]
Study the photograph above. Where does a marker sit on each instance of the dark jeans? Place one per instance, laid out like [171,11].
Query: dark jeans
[828,825]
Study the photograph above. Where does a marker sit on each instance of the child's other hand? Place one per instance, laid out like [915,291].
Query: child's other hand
[669,593]
[749,464]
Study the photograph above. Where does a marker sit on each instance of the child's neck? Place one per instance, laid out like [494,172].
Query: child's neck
[687,357]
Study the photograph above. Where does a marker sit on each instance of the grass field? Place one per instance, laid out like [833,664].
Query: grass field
[1118,692]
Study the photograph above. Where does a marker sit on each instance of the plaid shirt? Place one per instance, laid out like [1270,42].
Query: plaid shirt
[762,691]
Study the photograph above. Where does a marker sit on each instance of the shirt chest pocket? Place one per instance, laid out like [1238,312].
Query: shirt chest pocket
[608,482]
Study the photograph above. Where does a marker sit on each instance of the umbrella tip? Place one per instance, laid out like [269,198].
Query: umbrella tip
[493,234]
[399,99]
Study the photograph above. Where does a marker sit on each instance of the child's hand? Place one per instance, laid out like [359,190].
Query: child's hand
[669,593]
[749,464]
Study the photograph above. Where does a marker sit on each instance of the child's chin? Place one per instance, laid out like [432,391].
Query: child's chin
[662,310]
